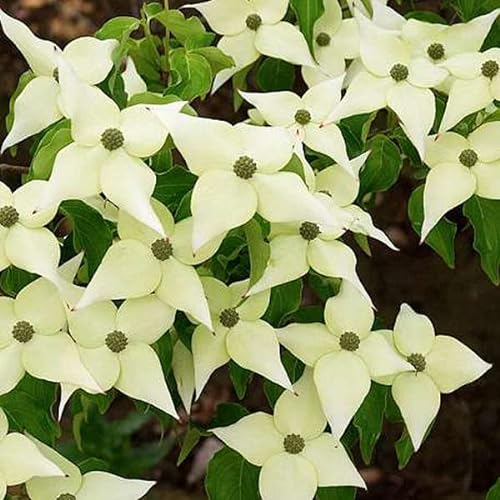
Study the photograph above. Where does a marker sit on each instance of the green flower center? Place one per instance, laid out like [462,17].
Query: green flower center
[323,39]
[8,216]
[490,69]
[116,341]
[23,332]
[309,231]
[302,117]
[229,317]
[417,361]
[436,51]
[254,22]
[245,167]
[294,444]
[112,139]
[66,496]
[399,72]
[162,249]
[349,341]
[468,157]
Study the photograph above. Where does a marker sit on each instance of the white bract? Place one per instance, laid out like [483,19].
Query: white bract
[239,334]
[251,28]
[442,364]
[34,339]
[115,346]
[345,355]
[460,168]
[396,78]
[106,155]
[183,370]
[20,459]
[239,175]
[296,454]
[78,486]
[145,262]
[39,105]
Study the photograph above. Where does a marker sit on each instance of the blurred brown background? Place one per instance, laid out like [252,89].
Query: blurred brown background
[461,460]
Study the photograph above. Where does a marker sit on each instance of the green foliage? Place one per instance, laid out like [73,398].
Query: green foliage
[307,12]
[173,185]
[494,492]
[13,280]
[336,493]
[274,75]
[228,414]
[240,377]
[258,249]
[285,300]
[24,79]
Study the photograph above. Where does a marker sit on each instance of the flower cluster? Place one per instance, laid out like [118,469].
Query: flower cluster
[95,331]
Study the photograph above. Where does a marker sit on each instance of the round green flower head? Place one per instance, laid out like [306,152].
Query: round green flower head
[112,139]
[417,361]
[349,341]
[490,69]
[294,444]
[23,332]
[468,157]
[323,39]
[8,216]
[66,496]
[399,72]
[254,22]
[436,51]
[302,117]
[162,249]
[116,341]
[245,167]
[229,317]
[309,231]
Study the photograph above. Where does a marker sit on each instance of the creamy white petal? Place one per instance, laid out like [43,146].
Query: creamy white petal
[423,73]
[7,320]
[113,487]
[27,200]
[134,84]
[250,308]
[483,142]
[487,179]
[413,332]
[321,99]
[277,108]
[183,370]
[339,184]
[270,12]
[103,365]
[444,148]
[226,17]
[11,367]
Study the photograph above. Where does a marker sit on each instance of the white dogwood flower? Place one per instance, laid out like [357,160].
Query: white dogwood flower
[132,80]
[24,241]
[34,339]
[77,486]
[460,168]
[115,346]
[475,87]
[345,354]
[304,116]
[38,105]
[441,365]
[183,370]
[251,28]
[296,454]
[145,262]
[20,459]
[239,334]
[393,78]
[106,155]
[238,169]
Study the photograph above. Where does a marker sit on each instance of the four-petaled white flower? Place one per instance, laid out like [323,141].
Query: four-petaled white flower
[239,334]
[38,105]
[115,346]
[34,339]
[77,486]
[20,459]
[344,353]
[460,168]
[145,262]
[251,28]
[106,155]
[441,365]
[393,77]
[296,454]
[239,174]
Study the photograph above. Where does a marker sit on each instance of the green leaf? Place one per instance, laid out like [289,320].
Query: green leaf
[442,237]
[228,414]
[467,9]
[13,280]
[494,492]
[258,249]
[275,75]
[484,215]
[191,439]
[173,185]
[404,449]
[215,57]
[118,28]
[29,409]
[336,493]
[308,12]
[152,98]
[426,15]
[285,300]
[91,233]
[240,377]
[231,477]
[369,420]
[355,130]
[382,167]
[48,148]
[189,32]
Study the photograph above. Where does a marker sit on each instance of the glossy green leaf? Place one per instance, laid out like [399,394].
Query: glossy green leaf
[336,493]
[191,439]
[404,449]
[13,280]
[173,185]
[258,249]
[285,300]
[118,28]
[307,12]
[274,75]
[228,414]
[494,492]
[189,32]
[240,377]
[215,57]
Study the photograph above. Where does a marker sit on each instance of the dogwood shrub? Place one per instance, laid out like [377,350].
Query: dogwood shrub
[149,246]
